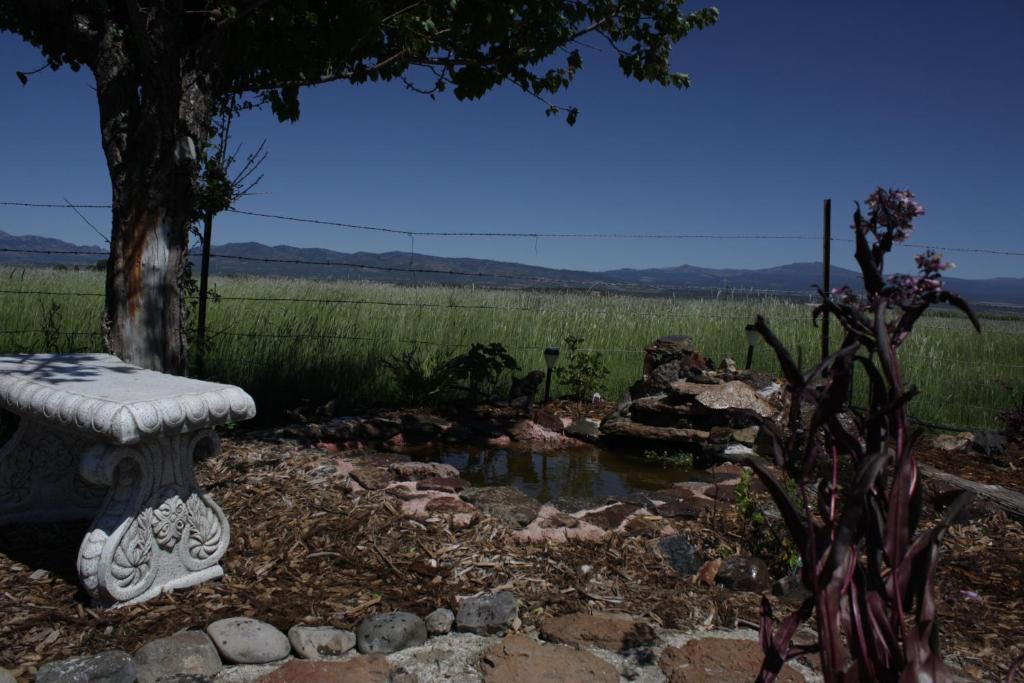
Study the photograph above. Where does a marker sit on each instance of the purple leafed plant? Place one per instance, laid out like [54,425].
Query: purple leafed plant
[868,566]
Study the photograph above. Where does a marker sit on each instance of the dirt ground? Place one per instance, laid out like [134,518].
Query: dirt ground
[304,551]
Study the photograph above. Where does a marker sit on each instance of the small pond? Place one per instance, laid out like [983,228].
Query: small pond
[585,474]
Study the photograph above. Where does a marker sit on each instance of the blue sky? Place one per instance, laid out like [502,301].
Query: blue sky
[791,102]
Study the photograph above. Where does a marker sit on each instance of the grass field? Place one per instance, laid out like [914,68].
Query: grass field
[286,351]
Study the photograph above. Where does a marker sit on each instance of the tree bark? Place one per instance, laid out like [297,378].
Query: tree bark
[154,115]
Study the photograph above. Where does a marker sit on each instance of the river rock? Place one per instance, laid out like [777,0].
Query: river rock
[241,640]
[368,669]
[391,632]
[488,614]
[518,659]
[444,484]
[504,502]
[190,652]
[680,554]
[414,471]
[734,395]
[317,642]
[613,631]
[439,622]
[744,573]
[718,660]
[112,666]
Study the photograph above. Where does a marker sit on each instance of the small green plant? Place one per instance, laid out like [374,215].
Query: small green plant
[583,373]
[55,339]
[670,458]
[421,379]
[480,368]
[764,538]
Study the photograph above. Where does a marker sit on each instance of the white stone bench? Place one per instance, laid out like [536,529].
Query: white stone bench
[103,440]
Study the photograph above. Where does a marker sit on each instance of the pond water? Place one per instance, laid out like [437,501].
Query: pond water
[584,474]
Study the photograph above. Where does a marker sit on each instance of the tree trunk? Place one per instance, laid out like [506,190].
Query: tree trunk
[154,116]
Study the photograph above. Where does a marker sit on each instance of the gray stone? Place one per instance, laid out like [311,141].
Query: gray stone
[6,676]
[112,666]
[488,614]
[744,574]
[586,428]
[317,642]
[680,554]
[439,621]
[387,633]
[191,652]
[989,443]
[241,640]
[504,502]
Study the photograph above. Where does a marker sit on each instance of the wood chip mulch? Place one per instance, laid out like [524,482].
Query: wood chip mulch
[305,551]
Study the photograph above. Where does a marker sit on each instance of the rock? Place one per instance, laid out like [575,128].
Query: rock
[504,502]
[241,640]
[727,365]
[368,669]
[610,517]
[953,442]
[529,432]
[746,436]
[415,471]
[317,642]
[190,652]
[381,428]
[371,477]
[718,660]
[439,622]
[518,659]
[547,419]
[744,574]
[989,444]
[723,493]
[734,395]
[112,666]
[488,614]
[6,676]
[609,630]
[524,389]
[449,505]
[185,678]
[790,589]
[391,632]
[586,428]
[685,509]
[624,427]
[708,571]
[419,427]
[445,484]
[680,554]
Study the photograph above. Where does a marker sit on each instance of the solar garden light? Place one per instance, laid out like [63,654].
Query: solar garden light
[752,337]
[550,359]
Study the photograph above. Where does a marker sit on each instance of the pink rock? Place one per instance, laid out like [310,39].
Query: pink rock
[427,504]
[546,529]
[446,484]
[499,441]
[422,470]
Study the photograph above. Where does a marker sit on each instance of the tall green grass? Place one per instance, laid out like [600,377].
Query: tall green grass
[287,352]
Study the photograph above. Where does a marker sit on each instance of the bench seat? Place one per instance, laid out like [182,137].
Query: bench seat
[103,440]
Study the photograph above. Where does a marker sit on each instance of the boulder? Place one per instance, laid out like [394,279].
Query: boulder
[518,659]
[487,614]
[718,660]
[503,502]
[391,632]
[439,622]
[189,652]
[607,630]
[680,554]
[415,471]
[368,669]
[744,573]
[241,640]
[624,427]
[112,666]
[317,642]
[953,442]
[734,395]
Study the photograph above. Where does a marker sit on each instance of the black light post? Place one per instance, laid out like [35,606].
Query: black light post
[550,359]
[752,337]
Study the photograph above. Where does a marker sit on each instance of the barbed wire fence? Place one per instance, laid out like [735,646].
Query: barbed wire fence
[517,281]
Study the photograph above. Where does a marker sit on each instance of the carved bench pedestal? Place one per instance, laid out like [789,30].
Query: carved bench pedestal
[103,440]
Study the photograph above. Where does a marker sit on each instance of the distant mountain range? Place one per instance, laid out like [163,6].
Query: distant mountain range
[253,258]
